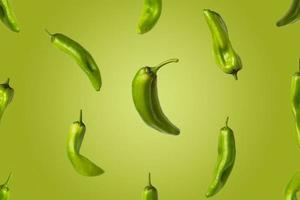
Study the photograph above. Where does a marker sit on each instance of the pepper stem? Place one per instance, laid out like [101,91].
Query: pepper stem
[226,123]
[80,116]
[149,179]
[235,76]
[7,81]
[299,64]
[7,180]
[48,32]
[157,67]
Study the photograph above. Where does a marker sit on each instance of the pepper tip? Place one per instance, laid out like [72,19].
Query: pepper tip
[17,30]
[280,23]
[140,30]
[208,194]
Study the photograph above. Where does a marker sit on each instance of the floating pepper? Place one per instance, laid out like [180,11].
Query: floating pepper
[7,16]
[80,163]
[295,94]
[6,96]
[292,15]
[4,190]
[225,162]
[150,192]
[293,187]
[81,55]
[150,15]
[226,57]
[145,98]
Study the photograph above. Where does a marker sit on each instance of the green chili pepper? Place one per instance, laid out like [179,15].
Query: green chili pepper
[227,59]
[145,98]
[293,187]
[150,15]
[6,96]
[150,192]
[80,163]
[295,91]
[292,15]
[81,55]
[4,190]
[226,158]
[7,16]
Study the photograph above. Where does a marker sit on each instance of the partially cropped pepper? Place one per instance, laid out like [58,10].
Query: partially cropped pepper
[226,57]
[293,187]
[4,190]
[292,15]
[150,192]
[150,15]
[6,96]
[7,16]
[295,95]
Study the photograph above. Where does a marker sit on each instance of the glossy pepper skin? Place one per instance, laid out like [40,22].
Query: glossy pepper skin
[150,192]
[7,16]
[225,162]
[226,57]
[6,96]
[81,55]
[4,190]
[150,15]
[292,15]
[80,163]
[293,187]
[145,98]
[295,96]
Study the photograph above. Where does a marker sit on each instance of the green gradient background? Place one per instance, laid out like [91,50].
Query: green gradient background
[195,94]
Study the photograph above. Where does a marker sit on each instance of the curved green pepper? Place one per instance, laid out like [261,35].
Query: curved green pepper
[81,55]
[226,58]
[7,16]
[293,187]
[295,96]
[226,158]
[4,190]
[6,96]
[80,163]
[150,192]
[292,15]
[145,98]
[150,15]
